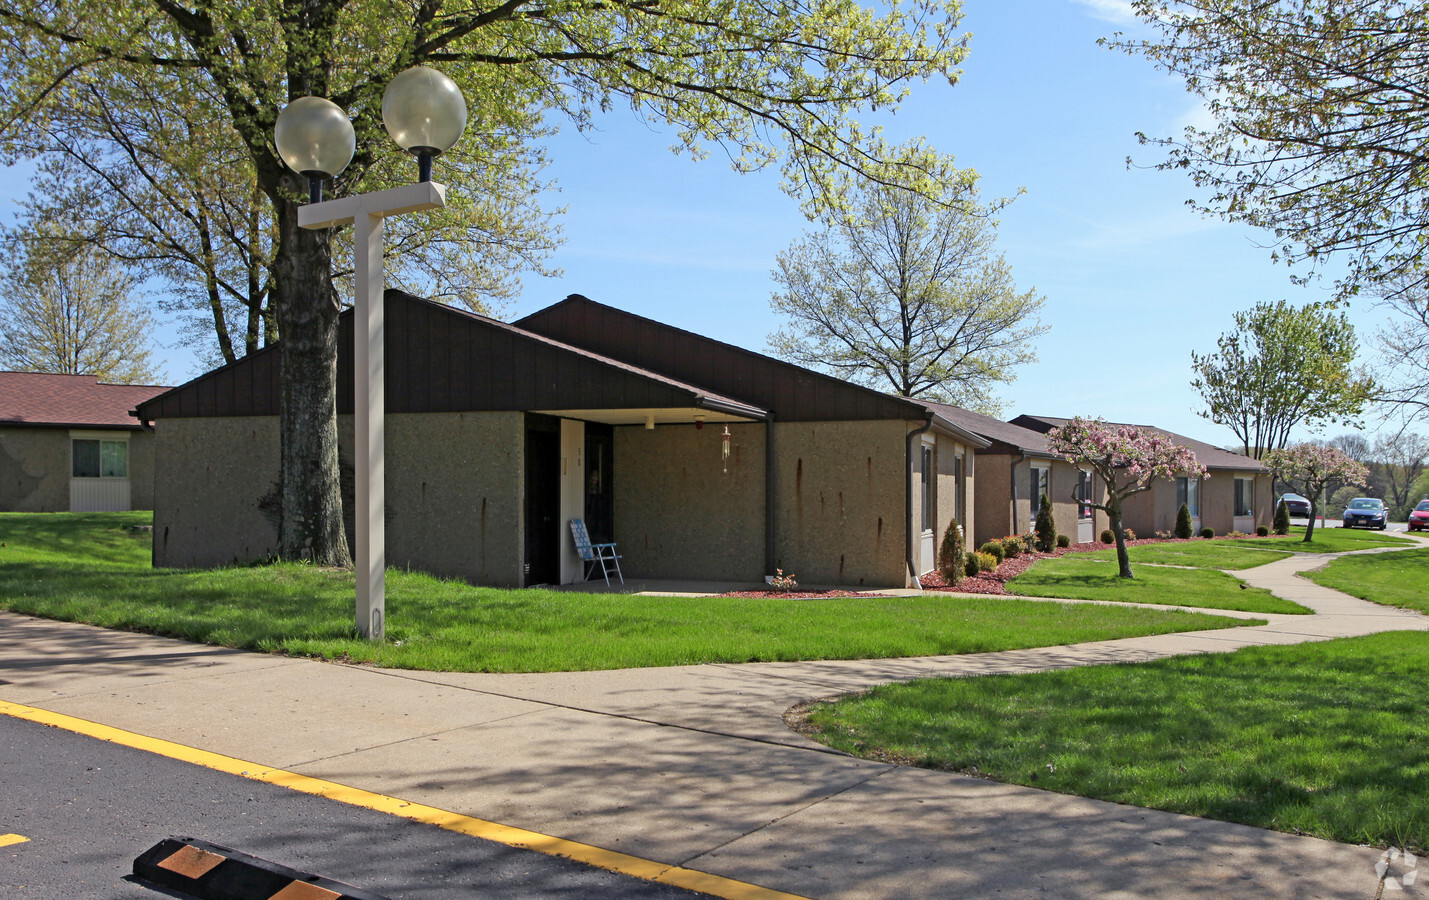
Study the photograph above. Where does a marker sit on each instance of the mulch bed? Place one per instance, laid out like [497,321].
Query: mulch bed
[797,595]
[994,582]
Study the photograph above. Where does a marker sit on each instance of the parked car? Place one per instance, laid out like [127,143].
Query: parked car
[1419,518]
[1296,505]
[1366,511]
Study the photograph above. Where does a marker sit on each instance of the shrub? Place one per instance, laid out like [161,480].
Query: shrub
[1208,532]
[1165,535]
[994,548]
[970,568]
[1183,522]
[782,582]
[986,562]
[1063,541]
[1130,535]
[1108,537]
[1046,526]
[1011,546]
[950,554]
[1282,518]
[1262,530]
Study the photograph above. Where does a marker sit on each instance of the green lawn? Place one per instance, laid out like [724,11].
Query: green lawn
[1078,578]
[1394,579]
[92,568]
[1196,553]
[1328,739]
[1329,540]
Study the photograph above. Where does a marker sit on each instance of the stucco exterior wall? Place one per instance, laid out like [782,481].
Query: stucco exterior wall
[141,469]
[841,502]
[679,513]
[212,476]
[997,492]
[950,506]
[1218,501]
[34,470]
[453,492]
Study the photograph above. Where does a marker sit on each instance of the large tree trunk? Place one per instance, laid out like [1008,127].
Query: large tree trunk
[1123,559]
[307,307]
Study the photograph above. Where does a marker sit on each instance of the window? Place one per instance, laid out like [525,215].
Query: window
[1188,491]
[1041,484]
[927,487]
[1084,494]
[93,458]
[1244,497]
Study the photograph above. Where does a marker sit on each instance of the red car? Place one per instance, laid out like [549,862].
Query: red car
[1419,519]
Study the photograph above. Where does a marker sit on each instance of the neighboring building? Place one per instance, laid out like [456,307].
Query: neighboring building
[1237,496]
[71,444]
[499,434]
[1015,470]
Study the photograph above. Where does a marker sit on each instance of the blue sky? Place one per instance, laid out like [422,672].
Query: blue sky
[1133,279]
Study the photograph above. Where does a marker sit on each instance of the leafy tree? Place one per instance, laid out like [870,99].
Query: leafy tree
[1127,458]
[769,83]
[905,292]
[1279,368]
[1399,458]
[1403,345]
[73,314]
[1320,122]
[1309,467]
[1183,522]
[1046,526]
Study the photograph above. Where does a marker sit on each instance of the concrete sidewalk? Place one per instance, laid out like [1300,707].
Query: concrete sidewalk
[693,765]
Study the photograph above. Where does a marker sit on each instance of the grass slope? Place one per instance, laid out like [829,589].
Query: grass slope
[1394,579]
[1328,540]
[1327,739]
[1198,554]
[92,568]
[1076,577]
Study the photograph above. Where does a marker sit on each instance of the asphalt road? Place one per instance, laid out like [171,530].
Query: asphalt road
[89,807]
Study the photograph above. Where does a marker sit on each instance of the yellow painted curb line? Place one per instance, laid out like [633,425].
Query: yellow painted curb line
[611,860]
[8,839]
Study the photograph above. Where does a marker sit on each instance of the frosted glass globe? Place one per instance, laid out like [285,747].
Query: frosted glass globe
[314,136]
[424,111]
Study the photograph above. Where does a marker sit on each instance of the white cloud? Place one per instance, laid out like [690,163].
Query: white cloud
[1116,11]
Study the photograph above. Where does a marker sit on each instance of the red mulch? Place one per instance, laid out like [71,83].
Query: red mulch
[995,582]
[797,595]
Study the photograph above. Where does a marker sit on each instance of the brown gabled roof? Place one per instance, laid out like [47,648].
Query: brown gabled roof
[70,401]
[1005,436]
[443,359]
[790,392]
[1212,457]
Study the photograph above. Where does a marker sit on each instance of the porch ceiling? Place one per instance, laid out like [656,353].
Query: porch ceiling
[663,415]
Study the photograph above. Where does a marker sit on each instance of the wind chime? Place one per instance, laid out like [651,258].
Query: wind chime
[725,451]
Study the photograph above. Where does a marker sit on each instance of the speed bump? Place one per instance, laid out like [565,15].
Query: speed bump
[211,872]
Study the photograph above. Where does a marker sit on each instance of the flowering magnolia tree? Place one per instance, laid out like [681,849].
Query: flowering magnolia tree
[1309,467]
[1127,458]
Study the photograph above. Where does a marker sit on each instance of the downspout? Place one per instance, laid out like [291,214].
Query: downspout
[769,485]
[1012,484]
[908,495]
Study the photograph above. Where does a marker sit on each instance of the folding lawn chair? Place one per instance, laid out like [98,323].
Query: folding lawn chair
[593,555]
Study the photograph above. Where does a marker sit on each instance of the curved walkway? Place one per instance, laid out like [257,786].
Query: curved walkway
[693,766]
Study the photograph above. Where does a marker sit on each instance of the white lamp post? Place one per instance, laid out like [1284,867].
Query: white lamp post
[425,113]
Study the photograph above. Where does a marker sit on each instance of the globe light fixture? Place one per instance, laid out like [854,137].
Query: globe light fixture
[315,139]
[424,112]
